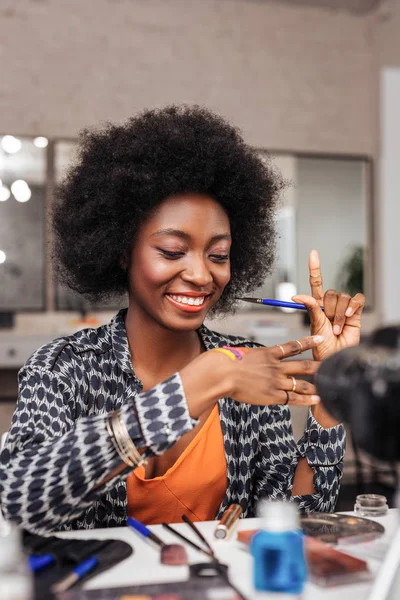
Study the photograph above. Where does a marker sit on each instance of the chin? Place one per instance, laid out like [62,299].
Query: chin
[184,324]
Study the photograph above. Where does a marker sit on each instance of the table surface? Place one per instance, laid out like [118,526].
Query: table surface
[144,566]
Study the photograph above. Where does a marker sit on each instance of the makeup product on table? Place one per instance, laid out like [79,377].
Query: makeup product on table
[67,554]
[228,523]
[186,540]
[171,554]
[77,573]
[278,303]
[334,528]
[197,587]
[203,570]
[371,505]
[329,567]
[199,534]
[206,580]
[39,562]
[278,550]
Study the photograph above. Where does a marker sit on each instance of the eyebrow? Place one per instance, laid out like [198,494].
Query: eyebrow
[185,236]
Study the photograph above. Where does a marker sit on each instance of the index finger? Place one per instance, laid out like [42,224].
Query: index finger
[314,267]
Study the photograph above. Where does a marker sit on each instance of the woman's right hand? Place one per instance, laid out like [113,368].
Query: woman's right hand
[260,378]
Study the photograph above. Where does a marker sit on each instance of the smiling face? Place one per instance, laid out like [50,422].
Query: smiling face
[180,263]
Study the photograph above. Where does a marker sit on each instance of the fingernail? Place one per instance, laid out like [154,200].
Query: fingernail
[318,339]
[316,399]
[349,312]
[336,330]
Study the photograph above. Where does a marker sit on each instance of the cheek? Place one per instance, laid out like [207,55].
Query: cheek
[222,275]
[151,271]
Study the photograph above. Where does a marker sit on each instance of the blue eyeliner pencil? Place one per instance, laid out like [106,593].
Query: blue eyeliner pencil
[272,302]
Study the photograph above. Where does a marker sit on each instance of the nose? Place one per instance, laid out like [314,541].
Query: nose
[197,272]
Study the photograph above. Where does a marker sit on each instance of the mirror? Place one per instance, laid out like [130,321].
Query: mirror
[326,206]
[23,163]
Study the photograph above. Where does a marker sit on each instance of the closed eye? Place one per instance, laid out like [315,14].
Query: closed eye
[171,255]
[178,254]
[219,257]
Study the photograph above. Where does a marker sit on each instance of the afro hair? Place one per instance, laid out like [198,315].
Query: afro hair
[124,171]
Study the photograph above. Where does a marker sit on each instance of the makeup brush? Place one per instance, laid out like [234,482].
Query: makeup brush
[279,303]
[171,554]
[199,534]
[187,540]
[211,553]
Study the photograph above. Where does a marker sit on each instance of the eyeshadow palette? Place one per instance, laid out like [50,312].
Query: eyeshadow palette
[199,589]
[333,528]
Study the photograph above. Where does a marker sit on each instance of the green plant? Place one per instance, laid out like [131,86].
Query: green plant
[351,273]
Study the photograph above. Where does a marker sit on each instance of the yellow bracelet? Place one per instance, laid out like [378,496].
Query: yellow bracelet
[231,355]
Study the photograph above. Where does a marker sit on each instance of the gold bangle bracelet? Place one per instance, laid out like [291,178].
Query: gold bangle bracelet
[124,452]
[122,442]
[125,459]
[126,441]
[135,454]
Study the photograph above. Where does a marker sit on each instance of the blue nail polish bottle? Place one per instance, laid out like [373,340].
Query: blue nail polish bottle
[278,552]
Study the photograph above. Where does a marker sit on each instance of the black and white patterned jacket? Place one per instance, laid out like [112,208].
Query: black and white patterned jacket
[58,447]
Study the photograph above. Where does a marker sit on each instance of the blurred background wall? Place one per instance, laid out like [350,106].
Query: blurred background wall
[292,76]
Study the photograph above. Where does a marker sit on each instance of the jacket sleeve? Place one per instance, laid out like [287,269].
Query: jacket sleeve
[279,454]
[53,457]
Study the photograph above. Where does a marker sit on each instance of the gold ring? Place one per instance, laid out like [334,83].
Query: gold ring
[300,346]
[315,276]
[294,383]
[283,352]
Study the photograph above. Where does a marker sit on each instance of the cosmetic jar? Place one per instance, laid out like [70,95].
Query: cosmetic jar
[371,505]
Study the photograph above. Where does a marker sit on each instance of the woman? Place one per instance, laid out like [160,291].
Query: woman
[150,415]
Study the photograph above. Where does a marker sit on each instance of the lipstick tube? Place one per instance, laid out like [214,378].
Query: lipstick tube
[229,520]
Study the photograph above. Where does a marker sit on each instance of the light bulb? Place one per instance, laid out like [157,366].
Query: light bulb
[2,257]
[41,142]
[11,144]
[21,190]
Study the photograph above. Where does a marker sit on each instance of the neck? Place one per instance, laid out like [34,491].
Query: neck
[156,348]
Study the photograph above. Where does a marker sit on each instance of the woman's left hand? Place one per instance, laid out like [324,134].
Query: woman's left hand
[340,323]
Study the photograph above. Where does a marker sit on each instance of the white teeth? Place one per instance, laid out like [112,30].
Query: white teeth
[188,300]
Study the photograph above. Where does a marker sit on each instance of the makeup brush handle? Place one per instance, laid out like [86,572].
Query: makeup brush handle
[144,531]
[278,303]
[187,540]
